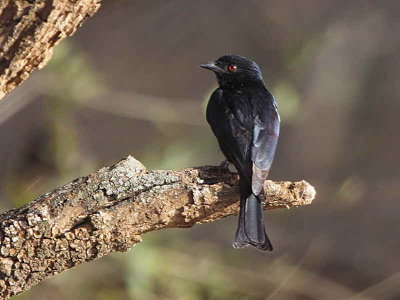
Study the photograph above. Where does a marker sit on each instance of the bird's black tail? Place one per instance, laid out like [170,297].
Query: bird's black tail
[251,230]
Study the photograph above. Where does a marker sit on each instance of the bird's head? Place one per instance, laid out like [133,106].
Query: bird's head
[234,71]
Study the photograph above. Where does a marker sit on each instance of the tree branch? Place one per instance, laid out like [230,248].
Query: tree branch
[108,211]
[30,29]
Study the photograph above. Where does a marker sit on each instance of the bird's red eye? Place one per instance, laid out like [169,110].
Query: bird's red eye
[232,68]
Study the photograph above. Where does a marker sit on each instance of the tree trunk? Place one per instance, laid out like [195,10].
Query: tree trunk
[30,29]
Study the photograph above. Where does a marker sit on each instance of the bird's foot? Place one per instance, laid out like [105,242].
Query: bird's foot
[225,165]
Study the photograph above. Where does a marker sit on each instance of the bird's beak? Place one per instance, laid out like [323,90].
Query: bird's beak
[212,66]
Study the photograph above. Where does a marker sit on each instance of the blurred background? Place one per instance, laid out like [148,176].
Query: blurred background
[128,82]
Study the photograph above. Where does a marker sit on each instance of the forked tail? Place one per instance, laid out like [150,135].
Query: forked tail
[251,230]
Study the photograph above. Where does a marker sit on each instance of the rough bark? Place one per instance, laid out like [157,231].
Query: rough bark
[108,211]
[30,29]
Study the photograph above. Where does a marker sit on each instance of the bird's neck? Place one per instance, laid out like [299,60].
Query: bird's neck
[239,82]
[226,84]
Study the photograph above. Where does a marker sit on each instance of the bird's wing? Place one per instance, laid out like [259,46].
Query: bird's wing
[265,140]
[233,135]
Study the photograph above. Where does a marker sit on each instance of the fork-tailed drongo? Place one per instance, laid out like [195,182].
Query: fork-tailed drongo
[244,117]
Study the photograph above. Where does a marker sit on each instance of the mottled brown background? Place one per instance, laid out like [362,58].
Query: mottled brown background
[128,82]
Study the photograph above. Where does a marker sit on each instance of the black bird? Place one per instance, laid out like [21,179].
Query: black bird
[244,117]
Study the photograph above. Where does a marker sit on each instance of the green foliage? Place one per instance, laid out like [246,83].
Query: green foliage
[288,102]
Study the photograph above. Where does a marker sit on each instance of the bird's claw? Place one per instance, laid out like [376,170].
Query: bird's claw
[224,164]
